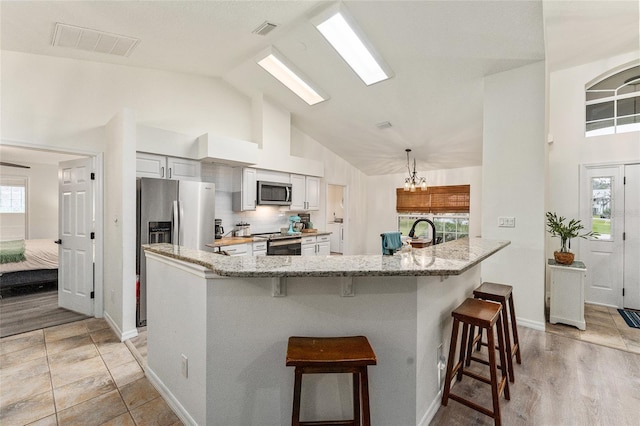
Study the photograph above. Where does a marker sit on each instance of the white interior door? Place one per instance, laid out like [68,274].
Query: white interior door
[75,266]
[632,237]
[602,210]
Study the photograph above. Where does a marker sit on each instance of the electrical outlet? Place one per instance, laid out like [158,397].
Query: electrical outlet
[185,365]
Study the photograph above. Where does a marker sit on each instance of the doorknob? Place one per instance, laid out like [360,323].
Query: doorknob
[58,241]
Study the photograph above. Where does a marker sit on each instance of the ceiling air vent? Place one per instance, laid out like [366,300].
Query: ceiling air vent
[93,40]
[264,28]
[383,125]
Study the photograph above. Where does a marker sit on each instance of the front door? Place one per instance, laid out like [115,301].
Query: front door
[602,210]
[75,268]
[632,237]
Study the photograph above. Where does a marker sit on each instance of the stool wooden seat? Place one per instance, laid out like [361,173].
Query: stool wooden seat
[314,355]
[503,294]
[486,316]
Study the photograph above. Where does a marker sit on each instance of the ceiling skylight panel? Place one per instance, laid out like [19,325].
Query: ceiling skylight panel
[342,33]
[284,73]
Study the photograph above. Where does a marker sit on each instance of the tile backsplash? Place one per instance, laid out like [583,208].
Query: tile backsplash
[263,219]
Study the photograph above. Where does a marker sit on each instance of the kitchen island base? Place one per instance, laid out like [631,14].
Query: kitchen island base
[217,345]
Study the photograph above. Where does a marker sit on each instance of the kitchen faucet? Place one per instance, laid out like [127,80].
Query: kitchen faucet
[412,232]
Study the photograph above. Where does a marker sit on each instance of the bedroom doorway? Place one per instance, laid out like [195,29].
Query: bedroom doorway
[35,305]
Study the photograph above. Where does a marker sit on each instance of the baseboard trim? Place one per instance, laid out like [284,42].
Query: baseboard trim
[431,411]
[536,325]
[166,394]
[121,335]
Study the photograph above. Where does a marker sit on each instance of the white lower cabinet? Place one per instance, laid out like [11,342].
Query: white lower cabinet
[323,245]
[260,248]
[567,294]
[309,246]
[237,249]
[316,246]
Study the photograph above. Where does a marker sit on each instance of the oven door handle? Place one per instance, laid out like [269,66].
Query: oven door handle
[285,242]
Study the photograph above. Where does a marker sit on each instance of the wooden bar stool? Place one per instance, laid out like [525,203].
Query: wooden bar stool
[502,294]
[314,355]
[486,316]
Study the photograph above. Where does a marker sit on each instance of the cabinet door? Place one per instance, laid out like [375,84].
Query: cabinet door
[183,169]
[309,249]
[324,249]
[312,193]
[244,189]
[151,165]
[249,189]
[297,192]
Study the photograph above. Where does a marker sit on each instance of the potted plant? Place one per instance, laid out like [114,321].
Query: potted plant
[557,228]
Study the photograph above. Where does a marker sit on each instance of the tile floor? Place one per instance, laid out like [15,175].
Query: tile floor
[72,374]
[605,326]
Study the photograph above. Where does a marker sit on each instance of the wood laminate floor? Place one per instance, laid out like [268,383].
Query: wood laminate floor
[22,313]
[561,381]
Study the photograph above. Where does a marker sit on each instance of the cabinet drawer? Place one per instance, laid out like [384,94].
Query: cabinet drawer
[323,238]
[262,245]
[308,240]
[236,249]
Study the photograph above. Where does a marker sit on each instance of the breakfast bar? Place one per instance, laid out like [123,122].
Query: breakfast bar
[219,325]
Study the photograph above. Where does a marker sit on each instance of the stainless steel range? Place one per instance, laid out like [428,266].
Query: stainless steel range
[279,244]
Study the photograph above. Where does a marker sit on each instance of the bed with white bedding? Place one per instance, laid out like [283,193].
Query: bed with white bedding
[39,267]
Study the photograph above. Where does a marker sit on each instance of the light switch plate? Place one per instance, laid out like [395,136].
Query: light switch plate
[506,222]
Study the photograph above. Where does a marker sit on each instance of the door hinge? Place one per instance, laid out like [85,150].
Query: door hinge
[624,180]
[93,235]
[93,176]
[93,294]
[624,236]
[623,292]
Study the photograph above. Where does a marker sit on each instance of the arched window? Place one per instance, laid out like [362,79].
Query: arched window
[613,104]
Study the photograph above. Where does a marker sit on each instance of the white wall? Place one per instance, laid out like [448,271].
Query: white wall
[381,215]
[337,171]
[42,198]
[514,185]
[120,224]
[60,102]
[570,147]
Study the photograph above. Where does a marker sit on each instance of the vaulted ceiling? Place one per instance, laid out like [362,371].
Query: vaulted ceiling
[439,51]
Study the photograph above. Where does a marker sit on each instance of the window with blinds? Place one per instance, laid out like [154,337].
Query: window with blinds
[13,208]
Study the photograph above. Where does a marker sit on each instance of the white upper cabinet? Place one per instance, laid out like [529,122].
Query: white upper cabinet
[305,193]
[244,189]
[163,167]
[183,169]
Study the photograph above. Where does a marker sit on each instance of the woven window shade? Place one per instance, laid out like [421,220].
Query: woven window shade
[436,199]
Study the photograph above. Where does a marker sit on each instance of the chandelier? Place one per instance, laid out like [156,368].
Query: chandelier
[412,182]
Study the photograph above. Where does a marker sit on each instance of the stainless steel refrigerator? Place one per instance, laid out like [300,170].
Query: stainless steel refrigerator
[171,211]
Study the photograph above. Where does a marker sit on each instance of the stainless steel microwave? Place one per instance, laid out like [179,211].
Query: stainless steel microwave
[274,193]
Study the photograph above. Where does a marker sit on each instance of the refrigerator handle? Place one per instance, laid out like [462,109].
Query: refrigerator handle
[181,236]
[175,224]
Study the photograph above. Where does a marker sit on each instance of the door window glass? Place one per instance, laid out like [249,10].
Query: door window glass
[601,205]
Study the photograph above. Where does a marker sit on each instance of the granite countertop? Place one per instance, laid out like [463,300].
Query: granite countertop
[451,258]
[229,241]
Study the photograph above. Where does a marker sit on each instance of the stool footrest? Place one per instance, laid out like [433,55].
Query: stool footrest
[471,404]
[330,423]
[477,377]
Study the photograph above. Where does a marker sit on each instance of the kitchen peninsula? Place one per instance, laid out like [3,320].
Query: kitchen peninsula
[218,329]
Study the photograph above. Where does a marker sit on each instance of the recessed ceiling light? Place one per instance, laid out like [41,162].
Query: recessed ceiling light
[93,40]
[342,32]
[284,71]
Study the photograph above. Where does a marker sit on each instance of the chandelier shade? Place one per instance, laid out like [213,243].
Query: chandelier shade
[413,181]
